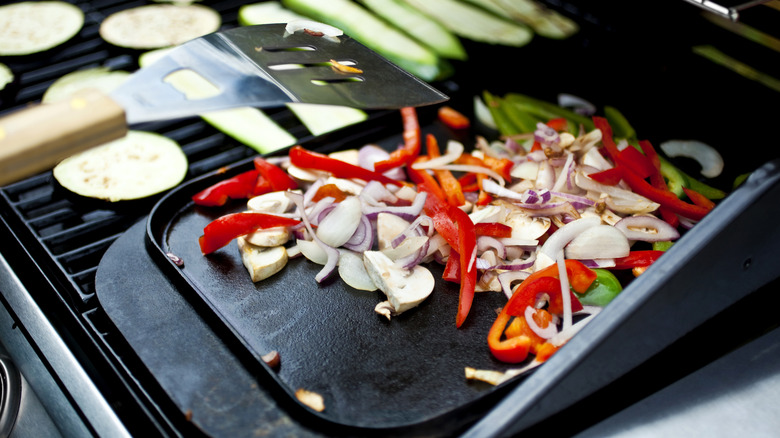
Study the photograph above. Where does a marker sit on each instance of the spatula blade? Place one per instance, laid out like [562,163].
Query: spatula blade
[264,66]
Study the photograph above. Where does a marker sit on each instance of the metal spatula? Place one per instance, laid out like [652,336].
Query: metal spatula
[259,66]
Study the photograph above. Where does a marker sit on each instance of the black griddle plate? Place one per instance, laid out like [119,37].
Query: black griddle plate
[377,376]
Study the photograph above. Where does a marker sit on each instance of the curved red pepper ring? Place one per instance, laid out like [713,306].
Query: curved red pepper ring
[528,295]
[222,230]
[515,349]
[511,350]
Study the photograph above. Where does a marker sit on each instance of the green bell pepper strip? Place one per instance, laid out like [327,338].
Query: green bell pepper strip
[603,290]
[504,125]
[662,246]
[619,123]
[546,110]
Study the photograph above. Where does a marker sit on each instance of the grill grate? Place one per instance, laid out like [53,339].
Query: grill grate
[69,235]
[76,233]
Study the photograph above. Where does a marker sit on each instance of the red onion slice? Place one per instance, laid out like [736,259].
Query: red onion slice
[333,253]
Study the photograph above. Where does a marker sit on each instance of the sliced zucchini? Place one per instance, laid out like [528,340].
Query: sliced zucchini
[248,125]
[32,27]
[320,119]
[420,26]
[159,25]
[472,22]
[6,76]
[100,78]
[359,23]
[266,13]
[544,21]
[135,166]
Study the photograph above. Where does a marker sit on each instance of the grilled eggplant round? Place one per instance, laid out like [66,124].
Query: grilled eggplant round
[32,27]
[136,166]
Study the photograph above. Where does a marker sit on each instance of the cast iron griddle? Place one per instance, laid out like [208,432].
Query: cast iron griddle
[373,373]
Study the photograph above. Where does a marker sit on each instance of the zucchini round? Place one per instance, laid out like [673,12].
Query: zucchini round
[6,76]
[266,13]
[158,25]
[100,78]
[136,166]
[32,27]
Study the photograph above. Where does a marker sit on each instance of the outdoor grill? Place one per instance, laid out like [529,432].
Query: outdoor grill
[104,335]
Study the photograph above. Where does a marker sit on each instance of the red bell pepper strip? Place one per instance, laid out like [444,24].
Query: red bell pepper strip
[453,118]
[468,182]
[493,229]
[238,187]
[699,199]
[424,179]
[545,351]
[457,229]
[519,327]
[515,349]
[559,124]
[329,191]
[222,230]
[452,268]
[467,245]
[610,176]
[602,124]
[277,178]
[657,180]
[449,184]
[665,198]
[631,158]
[412,140]
[509,350]
[484,197]
[502,166]
[636,259]
[307,159]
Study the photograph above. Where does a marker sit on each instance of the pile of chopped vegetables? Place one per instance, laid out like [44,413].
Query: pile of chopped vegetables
[547,217]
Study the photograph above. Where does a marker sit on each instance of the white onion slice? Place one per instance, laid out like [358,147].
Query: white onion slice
[708,157]
[647,229]
[565,295]
[566,234]
[353,271]
[507,278]
[340,224]
[598,242]
[576,104]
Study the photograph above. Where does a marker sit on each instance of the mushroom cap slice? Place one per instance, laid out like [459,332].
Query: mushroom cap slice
[404,288]
[261,263]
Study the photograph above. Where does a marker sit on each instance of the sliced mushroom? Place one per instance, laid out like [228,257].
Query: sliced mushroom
[269,237]
[274,202]
[261,263]
[404,288]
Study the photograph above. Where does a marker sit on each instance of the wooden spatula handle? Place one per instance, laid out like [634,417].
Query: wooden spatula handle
[35,139]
